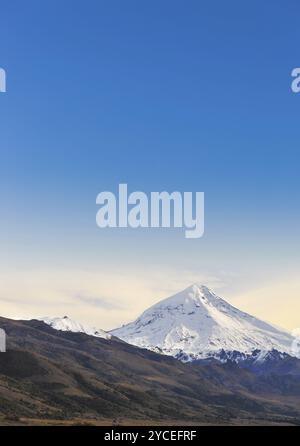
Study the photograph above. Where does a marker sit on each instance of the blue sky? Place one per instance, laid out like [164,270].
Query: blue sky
[163,95]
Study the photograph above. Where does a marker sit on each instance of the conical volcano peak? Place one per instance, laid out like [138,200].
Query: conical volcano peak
[196,295]
[197,324]
[200,290]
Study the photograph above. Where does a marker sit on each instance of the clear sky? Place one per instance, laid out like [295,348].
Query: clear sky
[162,95]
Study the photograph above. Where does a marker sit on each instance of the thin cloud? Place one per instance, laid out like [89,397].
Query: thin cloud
[99,302]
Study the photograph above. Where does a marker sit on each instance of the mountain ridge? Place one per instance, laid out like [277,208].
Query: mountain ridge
[66,324]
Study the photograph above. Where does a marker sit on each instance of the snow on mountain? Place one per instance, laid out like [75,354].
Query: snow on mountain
[67,324]
[197,324]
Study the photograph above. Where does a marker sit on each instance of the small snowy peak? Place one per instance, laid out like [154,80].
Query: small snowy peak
[67,324]
[196,324]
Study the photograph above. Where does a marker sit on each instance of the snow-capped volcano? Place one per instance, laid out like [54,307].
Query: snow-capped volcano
[67,324]
[197,324]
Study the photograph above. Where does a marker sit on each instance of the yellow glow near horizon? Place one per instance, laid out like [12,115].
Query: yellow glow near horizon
[277,303]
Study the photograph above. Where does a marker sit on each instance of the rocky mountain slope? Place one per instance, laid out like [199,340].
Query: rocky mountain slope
[48,374]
